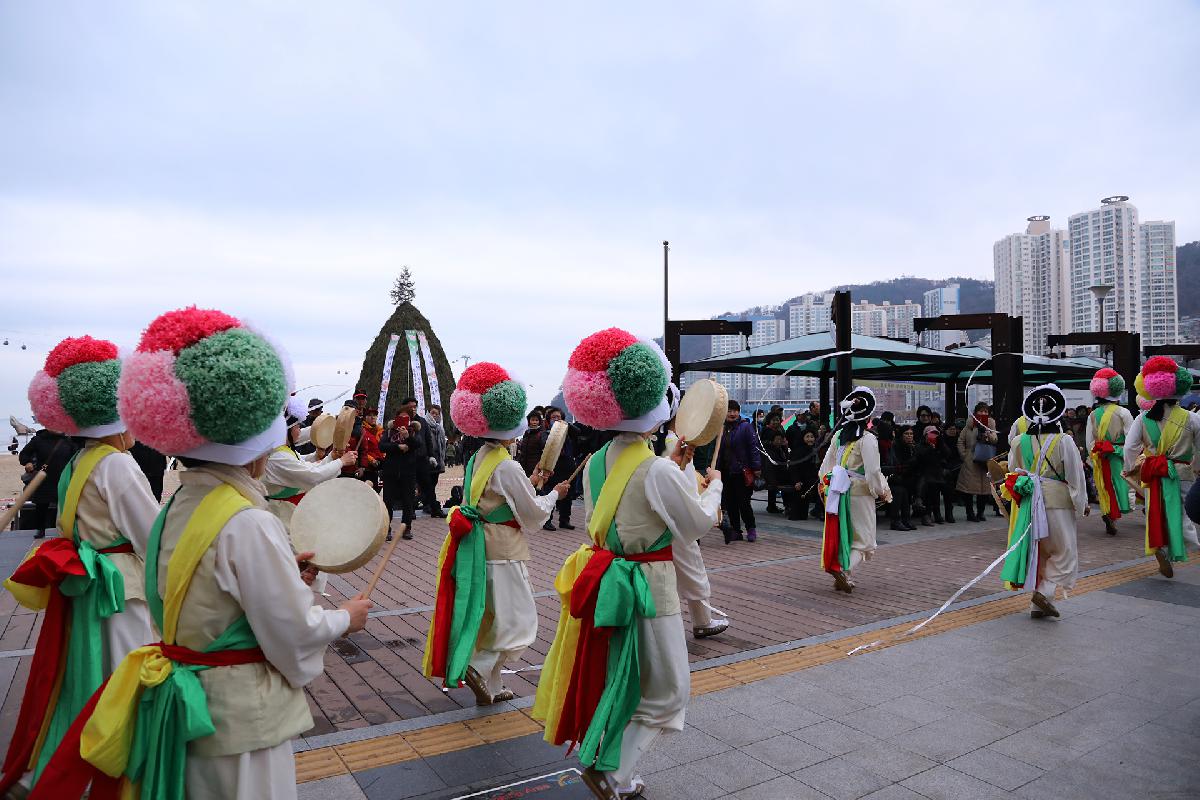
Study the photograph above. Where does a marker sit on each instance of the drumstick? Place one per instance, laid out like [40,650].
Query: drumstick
[716,451]
[7,517]
[578,470]
[383,563]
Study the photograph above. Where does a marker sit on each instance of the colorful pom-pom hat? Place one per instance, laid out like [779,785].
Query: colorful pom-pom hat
[1107,385]
[1161,379]
[618,382]
[76,392]
[489,403]
[204,385]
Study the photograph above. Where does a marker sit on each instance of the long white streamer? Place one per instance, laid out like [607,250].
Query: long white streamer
[775,384]
[999,560]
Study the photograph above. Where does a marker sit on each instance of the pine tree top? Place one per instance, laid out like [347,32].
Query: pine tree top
[403,289]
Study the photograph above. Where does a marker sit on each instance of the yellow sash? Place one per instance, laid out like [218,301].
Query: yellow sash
[80,473]
[108,735]
[614,487]
[1172,429]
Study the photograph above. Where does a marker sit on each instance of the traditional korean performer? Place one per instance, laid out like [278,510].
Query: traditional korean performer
[617,673]
[1107,426]
[1159,452]
[89,578]
[851,479]
[484,615]
[1046,485]
[209,711]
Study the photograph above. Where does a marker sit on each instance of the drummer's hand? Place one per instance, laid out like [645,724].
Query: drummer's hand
[683,453]
[562,489]
[711,475]
[348,459]
[358,606]
[308,573]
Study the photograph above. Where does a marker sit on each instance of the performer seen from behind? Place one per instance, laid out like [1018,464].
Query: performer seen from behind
[1107,426]
[209,711]
[1046,485]
[851,479]
[89,578]
[484,614]
[617,673]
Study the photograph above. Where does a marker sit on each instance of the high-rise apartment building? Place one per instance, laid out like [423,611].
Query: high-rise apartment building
[937,302]
[810,315]
[1032,279]
[1106,251]
[1160,293]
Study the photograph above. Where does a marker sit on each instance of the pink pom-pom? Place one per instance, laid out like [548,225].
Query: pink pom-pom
[594,352]
[154,403]
[1099,386]
[1159,384]
[81,350]
[177,329]
[590,398]
[1145,403]
[466,409]
[478,378]
[1159,364]
[47,406]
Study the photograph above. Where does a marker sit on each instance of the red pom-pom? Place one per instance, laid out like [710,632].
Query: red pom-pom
[478,378]
[1159,364]
[1106,373]
[81,350]
[594,352]
[178,329]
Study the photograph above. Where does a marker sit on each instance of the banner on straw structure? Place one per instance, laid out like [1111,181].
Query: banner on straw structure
[388,357]
[435,392]
[414,360]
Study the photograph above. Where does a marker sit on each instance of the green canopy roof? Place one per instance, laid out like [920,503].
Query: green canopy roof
[877,358]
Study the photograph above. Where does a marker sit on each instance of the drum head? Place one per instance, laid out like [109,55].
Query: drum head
[554,446]
[343,427]
[322,431]
[343,521]
[702,412]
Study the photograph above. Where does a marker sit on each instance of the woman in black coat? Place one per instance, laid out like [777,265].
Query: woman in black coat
[931,474]
[53,451]
[952,463]
[404,455]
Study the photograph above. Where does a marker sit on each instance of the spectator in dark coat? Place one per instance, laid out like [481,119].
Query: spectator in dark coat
[529,447]
[775,467]
[567,461]
[53,451]
[931,473]
[153,465]
[739,461]
[404,453]
[900,469]
[952,461]
[426,471]
[803,465]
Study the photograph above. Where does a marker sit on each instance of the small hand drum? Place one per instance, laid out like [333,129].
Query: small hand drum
[343,426]
[322,431]
[343,522]
[554,445]
[702,413]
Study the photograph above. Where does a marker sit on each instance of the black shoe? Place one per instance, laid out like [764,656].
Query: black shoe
[950,520]
[389,537]
[795,517]
[927,521]
[1110,527]
[898,526]
[774,510]
[407,532]
[549,526]
[908,526]
[937,520]
[439,514]
[566,526]
[972,518]
[40,535]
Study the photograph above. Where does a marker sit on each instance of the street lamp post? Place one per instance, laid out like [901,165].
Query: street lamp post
[666,316]
[1100,291]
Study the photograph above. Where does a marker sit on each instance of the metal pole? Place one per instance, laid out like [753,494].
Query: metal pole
[666,315]
[843,340]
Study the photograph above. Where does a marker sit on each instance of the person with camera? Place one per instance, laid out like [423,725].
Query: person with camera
[977,445]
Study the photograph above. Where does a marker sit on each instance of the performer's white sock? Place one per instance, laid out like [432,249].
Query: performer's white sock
[701,616]
[635,744]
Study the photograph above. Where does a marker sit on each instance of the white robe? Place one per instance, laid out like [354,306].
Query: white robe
[691,575]
[509,601]
[1059,552]
[1135,445]
[255,564]
[662,650]
[862,506]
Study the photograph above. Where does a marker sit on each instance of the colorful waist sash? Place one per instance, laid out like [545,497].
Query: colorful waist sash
[1107,459]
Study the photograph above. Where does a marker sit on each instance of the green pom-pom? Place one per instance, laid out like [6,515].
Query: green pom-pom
[1183,381]
[504,405]
[236,385]
[88,392]
[1116,386]
[638,380]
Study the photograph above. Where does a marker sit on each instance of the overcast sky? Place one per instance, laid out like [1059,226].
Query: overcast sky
[283,160]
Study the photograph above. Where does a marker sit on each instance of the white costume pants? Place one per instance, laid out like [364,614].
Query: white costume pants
[666,687]
[1189,527]
[267,774]
[510,621]
[1058,557]
[691,579]
[862,519]
[127,631]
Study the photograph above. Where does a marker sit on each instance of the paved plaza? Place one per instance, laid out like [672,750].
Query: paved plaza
[983,703]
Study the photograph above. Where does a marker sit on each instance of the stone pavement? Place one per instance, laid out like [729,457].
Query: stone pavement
[1101,704]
